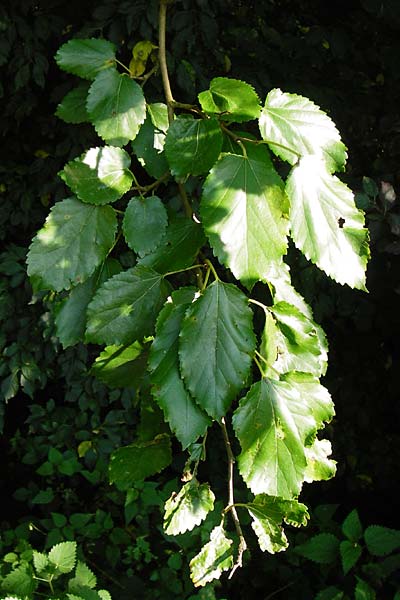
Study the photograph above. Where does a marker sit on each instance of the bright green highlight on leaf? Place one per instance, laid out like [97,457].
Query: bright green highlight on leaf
[139,460]
[244,213]
[214,558]
[231,100]
[295,127]
[99,176]
[184,416]
[86,58]
[73,242]
[116,107]
[192,146]
[325,223]
[188,508]
[120,366]
[216,347]
[145,223]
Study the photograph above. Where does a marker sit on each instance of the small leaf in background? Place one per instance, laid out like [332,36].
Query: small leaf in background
[121,366]
[322,548]
[215,359]
[192,146]
[387,195]
[125,307]
[330,593]
[352,527]
[363,591]
[139,460]
[73,242]
[145,223]
[86,58]
[214,558]
[185,417]
[300,127]
[188,508]
[63,556]
[116,107]
[99,176]
[244,214]
[231,99]
[140,54]
[350,552]
[381,540]
[325,223]
[72,108]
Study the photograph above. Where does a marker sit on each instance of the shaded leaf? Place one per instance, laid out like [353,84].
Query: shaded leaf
[381,540]
[100,175]
[216,347]
[352,527]
[139,460]
[86,58]
[184,416]
[330,593]
[120,366]
[116,107]
[214,558]
[148,146]
[192,145]
[325,223]
[322,548]
[126,306]
[73,242]
[363,591]
[72,108]
[350,552]
[188,508]
[295,125]
[145,223]
[244,214]
[231,99]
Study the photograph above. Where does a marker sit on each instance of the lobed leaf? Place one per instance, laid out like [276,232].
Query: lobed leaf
[145,223]
[231,100]
[73,242]
[86,58]
[244,214]
[100,175]
[116,107]
[325,223]
[184,416]
[126,306]
[214,558]
[216,347]
[295,127]
[188,508]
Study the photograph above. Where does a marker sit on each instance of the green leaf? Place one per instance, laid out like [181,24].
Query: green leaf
[120,366]
[125,307]
[188,508]
[139,460]
[72,108]
[214,558]
[216,347]
[322,548]
[350,552]
[325,223]
[319,466]
[363,591]
[352,527]
[148,146]
[73,242]
[192,146]
[178,249]
[83,577]
[40,561]
[86,58]
[293,126]
[100,175]
[116,107]
[298,344]
[20,581]
[330,593]
[231,99]
[269,341]
[63,556]
[185,418]
[70,314]
[145,223]
[244,214]
[381,540]
[273,423]
[43,497]
[268,513]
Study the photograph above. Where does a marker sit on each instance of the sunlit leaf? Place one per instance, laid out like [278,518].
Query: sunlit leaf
[188,508]
[214,558]
[231,99]
[86,58]
[120,366]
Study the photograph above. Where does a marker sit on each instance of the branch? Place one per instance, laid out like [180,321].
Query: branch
[162,25]
[231,500]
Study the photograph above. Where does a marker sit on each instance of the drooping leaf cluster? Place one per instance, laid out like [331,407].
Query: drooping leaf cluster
[161,318]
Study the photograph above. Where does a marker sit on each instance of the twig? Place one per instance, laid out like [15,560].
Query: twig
[231,500]
[162,25]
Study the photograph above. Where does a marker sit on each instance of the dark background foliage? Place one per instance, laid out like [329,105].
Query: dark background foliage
[344,56]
